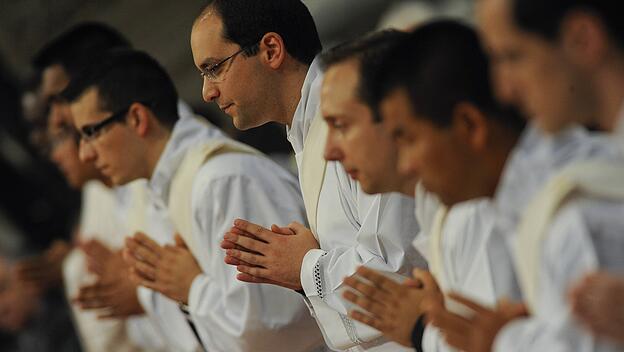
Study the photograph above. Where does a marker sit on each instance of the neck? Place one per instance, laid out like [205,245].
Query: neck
[155,150]
[289,93]
[610,84]
[498,154]
[105,180]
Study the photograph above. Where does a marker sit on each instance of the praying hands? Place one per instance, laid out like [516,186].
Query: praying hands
[168,269]
[268,256]
[390,307]
[476,331]
[597,301]
[113,295]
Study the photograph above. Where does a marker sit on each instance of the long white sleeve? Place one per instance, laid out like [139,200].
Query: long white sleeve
[584,236]
[232,315]
[163,313]
[167,322]
[144,333]
[375,231]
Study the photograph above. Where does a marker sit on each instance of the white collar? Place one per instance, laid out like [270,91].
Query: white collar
[307,107]
[187,132]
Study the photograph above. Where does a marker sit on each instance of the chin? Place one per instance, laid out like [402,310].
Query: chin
[369,188]
[244,124]
[240,125]
[75,183]
[119,180]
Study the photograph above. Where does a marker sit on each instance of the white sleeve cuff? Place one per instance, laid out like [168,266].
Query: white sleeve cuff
[507,338]
[195,293]
[142,333]
[311,273]
[144,295]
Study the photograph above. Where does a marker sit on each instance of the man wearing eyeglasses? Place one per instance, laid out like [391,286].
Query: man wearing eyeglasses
[125,109]
[57,62]
[258,63]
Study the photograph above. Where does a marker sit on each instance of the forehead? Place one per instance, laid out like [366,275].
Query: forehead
[396,106]
[53,80]
[341,81]
[495,19]
[207,39]
[85,109]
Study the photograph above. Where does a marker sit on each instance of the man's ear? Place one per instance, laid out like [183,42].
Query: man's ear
[139,118]
[584,38]
[471,125]
[272,51]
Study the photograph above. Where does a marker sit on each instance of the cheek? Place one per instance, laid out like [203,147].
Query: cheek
[63,152]
[364,147]
[503,82]
[433,161]
[348,142]
[408,159]
[105,149]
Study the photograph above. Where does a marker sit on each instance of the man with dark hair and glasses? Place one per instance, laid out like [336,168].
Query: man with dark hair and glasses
[277,78]
[56,64]
[125,107]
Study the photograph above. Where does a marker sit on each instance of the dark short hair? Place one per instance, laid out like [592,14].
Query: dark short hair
[245,22]
[126,76]
[544,17]
[76,47]
[370,51]
[440,65]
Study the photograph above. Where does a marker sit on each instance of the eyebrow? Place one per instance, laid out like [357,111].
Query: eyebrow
[208,62]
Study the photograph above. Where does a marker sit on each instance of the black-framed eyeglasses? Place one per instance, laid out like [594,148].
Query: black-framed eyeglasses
[90,132]
[213,72]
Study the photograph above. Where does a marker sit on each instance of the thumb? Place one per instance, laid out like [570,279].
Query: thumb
[179,241]
[512,309]
[427,280]
[282,230]
[297,227]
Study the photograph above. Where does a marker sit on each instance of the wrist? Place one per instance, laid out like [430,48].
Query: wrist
[187,287]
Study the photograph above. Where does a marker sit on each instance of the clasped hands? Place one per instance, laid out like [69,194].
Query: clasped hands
[112,295]
[393,308]
[168,269]
[271,256]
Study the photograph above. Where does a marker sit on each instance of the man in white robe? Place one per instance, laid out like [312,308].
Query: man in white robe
[268,72]
[162,311]
[143,138]
[59,60]
[163,327]
[471,248]
[439,162]
[583,233]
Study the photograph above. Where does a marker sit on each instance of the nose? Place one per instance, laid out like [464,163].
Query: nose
[405,166]
[210,91]
[505,84]
[86,153]
[332,148]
